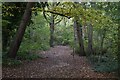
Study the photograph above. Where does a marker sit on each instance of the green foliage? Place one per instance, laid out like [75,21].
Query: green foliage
[103,17]
[36,36]
[27,56]
[8,62]
[64,33]
[11,62]
[10,21]
[106,63]
[5,23]
[77,49]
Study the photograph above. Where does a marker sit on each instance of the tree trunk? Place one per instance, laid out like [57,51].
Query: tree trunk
[118,48]
[75,36]
[80,40]
[90,39]
[52,31]
[5,39]
[102,39]
[17,41]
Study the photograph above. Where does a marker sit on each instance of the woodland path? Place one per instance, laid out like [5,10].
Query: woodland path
[57,63]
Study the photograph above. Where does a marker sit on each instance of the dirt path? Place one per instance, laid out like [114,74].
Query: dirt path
[57,63]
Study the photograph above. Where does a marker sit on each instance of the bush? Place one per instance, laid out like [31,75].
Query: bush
[103,63]
[10,62]
[27,56]
[106,66]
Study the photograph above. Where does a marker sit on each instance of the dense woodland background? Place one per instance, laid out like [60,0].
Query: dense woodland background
[89,28]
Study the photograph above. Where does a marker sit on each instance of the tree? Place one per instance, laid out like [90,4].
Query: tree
[52,20]
[10,21]
[90,39]
[52,24]
[18,38]
[79,36]
[79,33]
[75,36]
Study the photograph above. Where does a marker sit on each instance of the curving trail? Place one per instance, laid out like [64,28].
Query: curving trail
[57,63]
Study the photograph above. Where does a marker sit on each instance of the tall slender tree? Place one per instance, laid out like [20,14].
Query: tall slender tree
[75,37]
[102,38]
[90,39]
[52,30]
[52,19]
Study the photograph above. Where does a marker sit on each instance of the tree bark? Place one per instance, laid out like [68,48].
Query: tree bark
[52,31]
[75,32]
[90,39]
[102,40]
[20,33]
[75,37]
[118,48]
[80,40]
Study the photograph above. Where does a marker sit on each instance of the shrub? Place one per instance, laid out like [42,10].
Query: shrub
[10,62]
[103,63]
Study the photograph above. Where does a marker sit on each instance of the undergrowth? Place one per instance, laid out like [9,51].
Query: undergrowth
[103,64]
[9,62]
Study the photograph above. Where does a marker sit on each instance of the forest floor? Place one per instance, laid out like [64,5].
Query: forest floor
[56,63]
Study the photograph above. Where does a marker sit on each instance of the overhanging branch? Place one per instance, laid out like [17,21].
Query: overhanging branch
[53,12]
[45,17]
[59,14]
